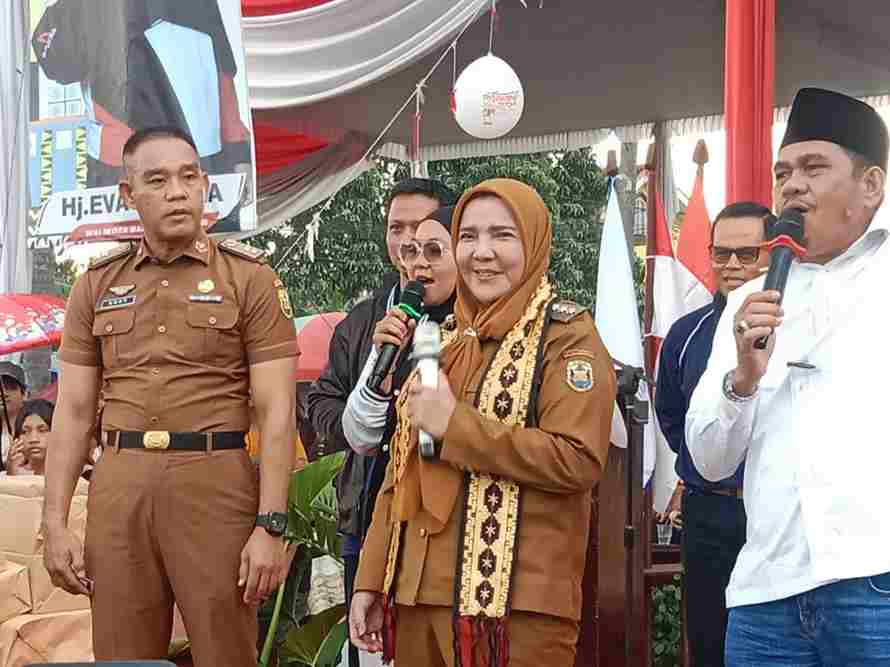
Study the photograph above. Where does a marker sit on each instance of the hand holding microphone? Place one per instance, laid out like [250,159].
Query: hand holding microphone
[431,402]
[389,336]
[761,312]
[396,328]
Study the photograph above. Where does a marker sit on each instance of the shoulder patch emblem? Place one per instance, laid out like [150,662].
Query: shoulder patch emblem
[117,252]
[565,311]
[284,301]
[242,250]
[579,375]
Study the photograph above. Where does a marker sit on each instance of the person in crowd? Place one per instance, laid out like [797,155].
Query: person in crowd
[15,390]
[478,552]
[177,331]
[410,202]
[713,515]
[811,585]
[32,428]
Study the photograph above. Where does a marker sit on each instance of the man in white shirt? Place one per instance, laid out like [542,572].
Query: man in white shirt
[812,583]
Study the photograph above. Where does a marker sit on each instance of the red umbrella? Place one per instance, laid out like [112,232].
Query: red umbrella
[30,320]
[314,337]
[26,321]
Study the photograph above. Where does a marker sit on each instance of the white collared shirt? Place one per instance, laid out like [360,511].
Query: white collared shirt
[817,456]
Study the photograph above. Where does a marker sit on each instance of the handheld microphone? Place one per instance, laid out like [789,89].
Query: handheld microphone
[785,243]
[427,347]
[412,304]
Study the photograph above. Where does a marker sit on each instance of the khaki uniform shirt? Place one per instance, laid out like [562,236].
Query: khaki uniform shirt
[557,464]
[175,340]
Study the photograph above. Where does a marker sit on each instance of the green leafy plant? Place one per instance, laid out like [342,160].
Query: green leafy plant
[297,637]
[665,624]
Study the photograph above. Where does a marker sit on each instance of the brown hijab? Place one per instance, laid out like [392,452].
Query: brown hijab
[435,485]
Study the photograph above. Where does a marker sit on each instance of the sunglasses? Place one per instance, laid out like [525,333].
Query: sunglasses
[433,251]
[746,255]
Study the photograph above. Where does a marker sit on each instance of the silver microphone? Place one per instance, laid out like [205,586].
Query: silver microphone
[426,350]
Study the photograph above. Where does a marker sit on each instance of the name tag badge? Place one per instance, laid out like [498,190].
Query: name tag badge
[113,303]
[205,298]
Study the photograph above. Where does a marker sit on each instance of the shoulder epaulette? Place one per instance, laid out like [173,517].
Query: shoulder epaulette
[565,311]
[243,250]
[117,252]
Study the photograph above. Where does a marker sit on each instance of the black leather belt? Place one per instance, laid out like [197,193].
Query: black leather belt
[731,493]
[183,442]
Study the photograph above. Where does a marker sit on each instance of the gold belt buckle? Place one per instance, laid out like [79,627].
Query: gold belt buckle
[156,439]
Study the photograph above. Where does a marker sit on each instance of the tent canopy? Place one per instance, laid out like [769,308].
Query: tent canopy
[603,65]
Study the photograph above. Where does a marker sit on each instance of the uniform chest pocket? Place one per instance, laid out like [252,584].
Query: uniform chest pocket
[214,332]
[114,331]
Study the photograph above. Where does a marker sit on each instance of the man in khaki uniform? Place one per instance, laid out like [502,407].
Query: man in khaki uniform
[176,331]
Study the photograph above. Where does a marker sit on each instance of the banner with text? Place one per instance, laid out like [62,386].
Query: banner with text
[104,69]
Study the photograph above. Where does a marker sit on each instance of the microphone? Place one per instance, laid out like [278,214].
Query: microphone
[412,304]
[785,243]
[427,347]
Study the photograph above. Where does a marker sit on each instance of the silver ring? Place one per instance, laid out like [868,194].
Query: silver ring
[741,327]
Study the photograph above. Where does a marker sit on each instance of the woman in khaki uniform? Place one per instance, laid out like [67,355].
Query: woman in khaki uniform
[478,553]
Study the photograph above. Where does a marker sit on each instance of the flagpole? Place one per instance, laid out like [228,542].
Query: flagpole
[651,250]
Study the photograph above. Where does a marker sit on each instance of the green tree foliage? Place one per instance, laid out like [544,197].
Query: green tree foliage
[350,254]
[64,275]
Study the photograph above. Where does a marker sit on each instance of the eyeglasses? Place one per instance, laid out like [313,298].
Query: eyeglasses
[433,251]
[746,255]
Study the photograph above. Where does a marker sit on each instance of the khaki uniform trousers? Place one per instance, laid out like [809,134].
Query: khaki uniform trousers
[165,526]
[425,637]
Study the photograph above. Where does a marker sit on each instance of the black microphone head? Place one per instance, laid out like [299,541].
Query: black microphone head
[790,224]
[412,299]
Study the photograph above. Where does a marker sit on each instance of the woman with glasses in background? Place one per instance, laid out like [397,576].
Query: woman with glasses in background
[369,417]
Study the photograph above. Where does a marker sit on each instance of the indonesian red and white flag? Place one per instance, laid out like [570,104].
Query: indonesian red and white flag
[618,320]
[680,284]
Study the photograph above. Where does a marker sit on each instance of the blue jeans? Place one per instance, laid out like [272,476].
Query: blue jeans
[844,624]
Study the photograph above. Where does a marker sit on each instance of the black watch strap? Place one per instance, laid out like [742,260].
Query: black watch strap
[275,523]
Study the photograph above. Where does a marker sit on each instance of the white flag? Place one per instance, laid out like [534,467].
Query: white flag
[618,320]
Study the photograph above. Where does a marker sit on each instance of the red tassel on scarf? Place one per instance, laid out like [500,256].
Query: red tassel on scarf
[464,640]
[485,637]
[389,630]
[503,643]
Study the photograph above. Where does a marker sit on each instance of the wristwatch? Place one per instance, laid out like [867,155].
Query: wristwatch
[729,392]
[275,523]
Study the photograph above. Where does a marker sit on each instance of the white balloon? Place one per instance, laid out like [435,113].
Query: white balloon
[488,98]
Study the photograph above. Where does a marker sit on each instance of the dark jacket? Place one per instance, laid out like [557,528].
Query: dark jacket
[683,360]
[326,401]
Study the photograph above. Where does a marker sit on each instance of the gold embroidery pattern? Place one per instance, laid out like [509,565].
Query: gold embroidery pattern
[491,514]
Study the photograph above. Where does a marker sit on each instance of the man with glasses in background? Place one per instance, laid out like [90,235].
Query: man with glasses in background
[713,514]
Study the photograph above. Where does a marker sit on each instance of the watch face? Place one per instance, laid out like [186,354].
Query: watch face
[278,523]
